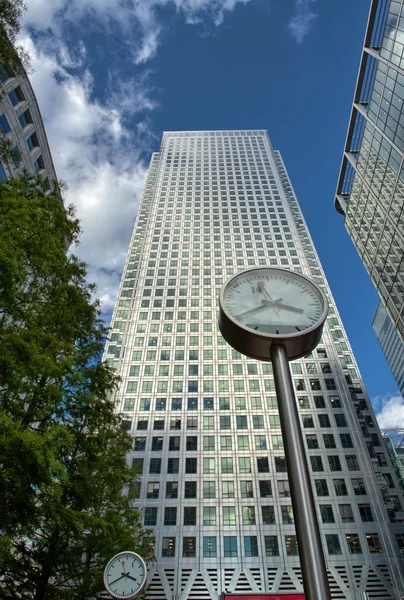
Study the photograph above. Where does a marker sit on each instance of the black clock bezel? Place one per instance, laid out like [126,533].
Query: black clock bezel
[141,588]
[257,344]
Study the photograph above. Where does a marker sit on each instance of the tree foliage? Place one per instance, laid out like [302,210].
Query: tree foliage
[62,447]
[12,55]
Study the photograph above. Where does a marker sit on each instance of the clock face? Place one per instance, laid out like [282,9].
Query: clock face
[125,575]
[273,301]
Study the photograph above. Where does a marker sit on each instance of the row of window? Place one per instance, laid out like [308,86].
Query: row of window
[238,385]
[247,515]
[230,545]
[245,463]
[246,488]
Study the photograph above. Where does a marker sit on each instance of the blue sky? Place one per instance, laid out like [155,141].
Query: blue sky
[111,75]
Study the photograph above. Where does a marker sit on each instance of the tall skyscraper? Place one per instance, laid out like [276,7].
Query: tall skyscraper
[204,419]
[22,130]
[370,188]
[391,344]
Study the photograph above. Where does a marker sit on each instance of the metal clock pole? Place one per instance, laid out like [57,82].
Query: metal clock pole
[314,570]
[251,308]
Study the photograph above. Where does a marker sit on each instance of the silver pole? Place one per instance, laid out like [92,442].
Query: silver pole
[314,570]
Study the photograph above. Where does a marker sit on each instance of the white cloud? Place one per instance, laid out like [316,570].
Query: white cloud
[389,411]
[302,20]
[99,159]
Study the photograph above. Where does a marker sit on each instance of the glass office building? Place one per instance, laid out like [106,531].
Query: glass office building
[370,189]
[391,344]
[204,419]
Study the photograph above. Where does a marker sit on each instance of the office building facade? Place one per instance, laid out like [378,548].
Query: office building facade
[22,132]
[204,419]
[391,344]
[370,188]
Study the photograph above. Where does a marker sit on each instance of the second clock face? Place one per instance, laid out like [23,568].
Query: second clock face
[272,301]
[125,575]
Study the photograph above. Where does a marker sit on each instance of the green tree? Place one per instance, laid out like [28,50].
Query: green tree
[13,57]
[64,502]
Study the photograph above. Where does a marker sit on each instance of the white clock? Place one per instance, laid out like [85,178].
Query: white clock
[125,576]
[264,305]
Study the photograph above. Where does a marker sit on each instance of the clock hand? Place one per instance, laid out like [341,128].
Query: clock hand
[130,577]
[261,285]
[290,308]
[115,580]
[264,304]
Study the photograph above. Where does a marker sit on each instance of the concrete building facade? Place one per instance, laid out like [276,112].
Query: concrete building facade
[204,419]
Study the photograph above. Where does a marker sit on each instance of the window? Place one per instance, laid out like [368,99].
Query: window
[316,463]
[327,514]
[324,421]
[333,545]
[190,515]
[283,488]
[176,404]
[248,515]
[157,444]
[365,512]
[32,141]
[173,465]
[208,422]
[161,403]
[3,175]
[16,96]
[334,463]
[241,421]
[354,545]
[139,444]
[225,422]
[172,490]
[340,420]
[352,462]
[168,546]
[287,515]
[244,464]
[153,489]
[209,515]
[311,441]
[250,545]
[189,547]
[230,546]
[190,465]
[209,465]
[170,515]
[192,422]
[346,440]
[246,489]
[329,441]
[258,422]
[190,489]
[174,443]
[291,545]
[150,515]
[346,513]
[4,126]
[228,489]
[265,489]
[262,464]
[229,515]
[209,489]
[307,421]
[321,487]
[271,545]
[373,541]
[192,443]
[208,404]
[359,487]
[209,547]
[340,487]
[208,443]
